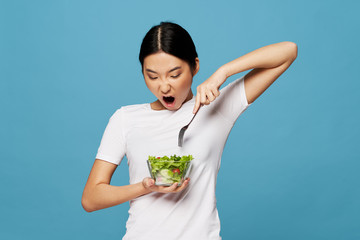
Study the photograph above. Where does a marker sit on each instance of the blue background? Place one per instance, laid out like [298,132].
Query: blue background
[290,169]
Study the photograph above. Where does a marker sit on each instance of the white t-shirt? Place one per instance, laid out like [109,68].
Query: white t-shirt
[138,131]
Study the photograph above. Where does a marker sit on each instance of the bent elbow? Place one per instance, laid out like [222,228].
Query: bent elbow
[293,50]
[86,205]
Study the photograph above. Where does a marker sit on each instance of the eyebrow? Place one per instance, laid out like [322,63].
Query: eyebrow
[175,68]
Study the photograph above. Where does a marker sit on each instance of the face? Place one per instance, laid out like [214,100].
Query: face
[169,78]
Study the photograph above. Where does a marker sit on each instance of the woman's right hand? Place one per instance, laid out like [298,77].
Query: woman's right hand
[149,184]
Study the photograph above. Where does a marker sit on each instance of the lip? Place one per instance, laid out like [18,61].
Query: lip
[169,105]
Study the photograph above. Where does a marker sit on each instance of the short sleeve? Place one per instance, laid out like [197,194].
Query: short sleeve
[112,146]
[232,101]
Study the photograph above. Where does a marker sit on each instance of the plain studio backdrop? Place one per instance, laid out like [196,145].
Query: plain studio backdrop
[290,169]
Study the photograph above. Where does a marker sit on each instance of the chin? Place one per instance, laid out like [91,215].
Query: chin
[173,108]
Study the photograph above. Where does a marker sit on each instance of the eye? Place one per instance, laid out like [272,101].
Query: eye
[152,78]
[176,76]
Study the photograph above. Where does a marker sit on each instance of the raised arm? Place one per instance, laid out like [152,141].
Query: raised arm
[268,63]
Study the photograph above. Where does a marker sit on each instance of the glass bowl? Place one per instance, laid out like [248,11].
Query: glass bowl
[167,172]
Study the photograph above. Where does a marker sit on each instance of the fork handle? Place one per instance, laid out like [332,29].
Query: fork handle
[193,118]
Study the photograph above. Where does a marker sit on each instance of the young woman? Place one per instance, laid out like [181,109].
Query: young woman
[169,62]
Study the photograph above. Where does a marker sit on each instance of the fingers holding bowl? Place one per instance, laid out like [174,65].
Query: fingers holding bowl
[183,185]
[149,184]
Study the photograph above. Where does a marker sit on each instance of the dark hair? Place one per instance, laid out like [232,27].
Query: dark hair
[169,38]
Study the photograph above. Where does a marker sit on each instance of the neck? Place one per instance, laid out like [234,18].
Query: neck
[190,96]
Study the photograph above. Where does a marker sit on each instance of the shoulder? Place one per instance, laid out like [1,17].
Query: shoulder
[131,110]
[125,116]
[236,83]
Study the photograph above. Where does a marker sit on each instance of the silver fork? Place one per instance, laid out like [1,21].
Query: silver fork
[182,131]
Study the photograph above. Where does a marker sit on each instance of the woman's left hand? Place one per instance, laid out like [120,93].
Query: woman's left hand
[208,91]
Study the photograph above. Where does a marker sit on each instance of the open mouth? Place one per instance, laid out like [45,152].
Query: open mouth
[169,100]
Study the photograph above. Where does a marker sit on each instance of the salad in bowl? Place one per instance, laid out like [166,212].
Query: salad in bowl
[168,170]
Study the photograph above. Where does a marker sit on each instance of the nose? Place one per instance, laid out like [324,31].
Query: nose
[165,87]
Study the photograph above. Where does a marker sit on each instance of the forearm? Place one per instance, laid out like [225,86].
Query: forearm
[270,56]
[103,195]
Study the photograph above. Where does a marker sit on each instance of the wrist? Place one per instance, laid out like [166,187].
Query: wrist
[144,189]
[223,71]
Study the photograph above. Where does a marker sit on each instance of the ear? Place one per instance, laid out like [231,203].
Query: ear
[197,66]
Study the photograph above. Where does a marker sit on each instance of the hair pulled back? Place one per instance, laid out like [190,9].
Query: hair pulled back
[170,38]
